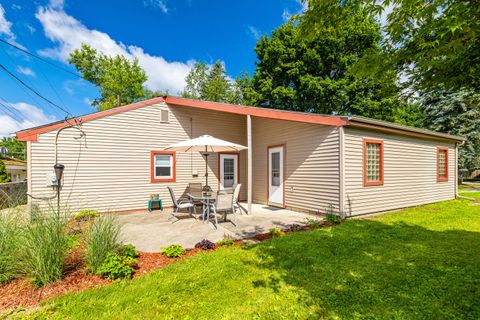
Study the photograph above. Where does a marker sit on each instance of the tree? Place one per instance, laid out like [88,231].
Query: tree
[4,177]
[16,149]
[208,83]
[435,43]
[456,113]
[312,74]
[119,80]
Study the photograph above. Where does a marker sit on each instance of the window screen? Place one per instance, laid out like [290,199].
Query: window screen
[228,173]
[275,169]
[163,166]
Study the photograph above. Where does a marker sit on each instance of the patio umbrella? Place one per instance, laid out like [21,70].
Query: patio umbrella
[206,144]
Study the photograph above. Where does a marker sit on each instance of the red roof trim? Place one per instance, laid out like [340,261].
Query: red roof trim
[32,134]
[260,112]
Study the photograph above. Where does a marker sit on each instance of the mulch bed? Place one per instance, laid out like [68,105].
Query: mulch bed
[21,292]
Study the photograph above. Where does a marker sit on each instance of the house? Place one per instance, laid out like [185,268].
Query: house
[16,169]
[300,161]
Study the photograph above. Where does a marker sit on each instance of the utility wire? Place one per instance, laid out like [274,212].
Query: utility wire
[34,91]
[40,58]
[31,84]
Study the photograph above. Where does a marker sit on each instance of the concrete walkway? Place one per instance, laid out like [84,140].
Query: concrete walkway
[149,232]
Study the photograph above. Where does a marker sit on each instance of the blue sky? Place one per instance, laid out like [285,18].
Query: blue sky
[167,37]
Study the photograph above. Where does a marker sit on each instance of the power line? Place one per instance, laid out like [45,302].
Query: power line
[30,83]
[40,58]
[33,90]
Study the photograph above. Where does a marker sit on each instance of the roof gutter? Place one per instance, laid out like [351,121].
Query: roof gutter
[367,123]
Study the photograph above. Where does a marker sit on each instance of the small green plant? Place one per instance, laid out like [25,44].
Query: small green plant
[313,223]
[45,248]
[173,251]
[332,217]
[226,241]
[101,238]
[117,267]
[86,214]
[127,250]
[275,232]
[73,240]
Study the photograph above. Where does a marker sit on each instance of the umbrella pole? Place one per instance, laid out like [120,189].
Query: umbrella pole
[206,166]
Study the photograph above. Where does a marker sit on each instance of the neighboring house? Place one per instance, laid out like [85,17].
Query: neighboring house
[16,169]
[301,161]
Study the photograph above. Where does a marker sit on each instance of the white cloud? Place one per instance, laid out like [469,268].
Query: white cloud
[286,15]
[16,6]
[254,32]
[69,33]
[161,4]
[26,116]
[26,71]
[5,25]
[303,6]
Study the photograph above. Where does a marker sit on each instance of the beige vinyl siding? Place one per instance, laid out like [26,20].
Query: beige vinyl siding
[410,173]
[312,163]
[111,171]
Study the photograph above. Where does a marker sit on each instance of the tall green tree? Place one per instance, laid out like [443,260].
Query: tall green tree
[4,177]
[119,80]
[435,44]
[211,83]
[16,149]
[312,74]
[456,113]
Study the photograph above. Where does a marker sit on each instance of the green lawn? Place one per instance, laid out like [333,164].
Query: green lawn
[419,263]
[471,190]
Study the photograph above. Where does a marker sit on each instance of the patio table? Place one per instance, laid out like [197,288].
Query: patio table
[206,200]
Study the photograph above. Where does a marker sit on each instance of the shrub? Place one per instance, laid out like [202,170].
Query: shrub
[205,245]
[84,215]
[45,247]
[101,238]
[9,246]
[275,232]
[173,251]
[313,223]
[127,250]
[117,267]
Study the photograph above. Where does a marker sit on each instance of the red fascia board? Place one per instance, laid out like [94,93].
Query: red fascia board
[260,112]
[32,134]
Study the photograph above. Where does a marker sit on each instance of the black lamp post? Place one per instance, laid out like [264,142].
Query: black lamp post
[58,173]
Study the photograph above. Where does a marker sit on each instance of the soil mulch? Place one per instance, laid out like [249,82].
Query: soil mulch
[22,292]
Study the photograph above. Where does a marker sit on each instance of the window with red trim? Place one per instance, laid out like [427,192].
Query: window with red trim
[442,164]
[162,166]
[372,162]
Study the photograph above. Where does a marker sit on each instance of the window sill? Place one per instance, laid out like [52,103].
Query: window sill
[373,183]
[159,180]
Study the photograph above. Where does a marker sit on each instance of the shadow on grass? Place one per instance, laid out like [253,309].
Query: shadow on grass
[365,269]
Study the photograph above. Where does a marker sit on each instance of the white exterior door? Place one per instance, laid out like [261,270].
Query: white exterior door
[228,171]
[276,183]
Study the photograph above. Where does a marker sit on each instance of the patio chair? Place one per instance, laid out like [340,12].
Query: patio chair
[195,189]
[236,193]
[223,203]
[180,204]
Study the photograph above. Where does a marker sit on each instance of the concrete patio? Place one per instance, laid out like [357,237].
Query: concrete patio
[149,232]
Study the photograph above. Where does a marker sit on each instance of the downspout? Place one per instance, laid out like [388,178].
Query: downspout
[456,167]
[341,171]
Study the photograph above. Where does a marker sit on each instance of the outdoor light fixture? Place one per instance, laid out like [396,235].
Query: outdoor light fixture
[59,171]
